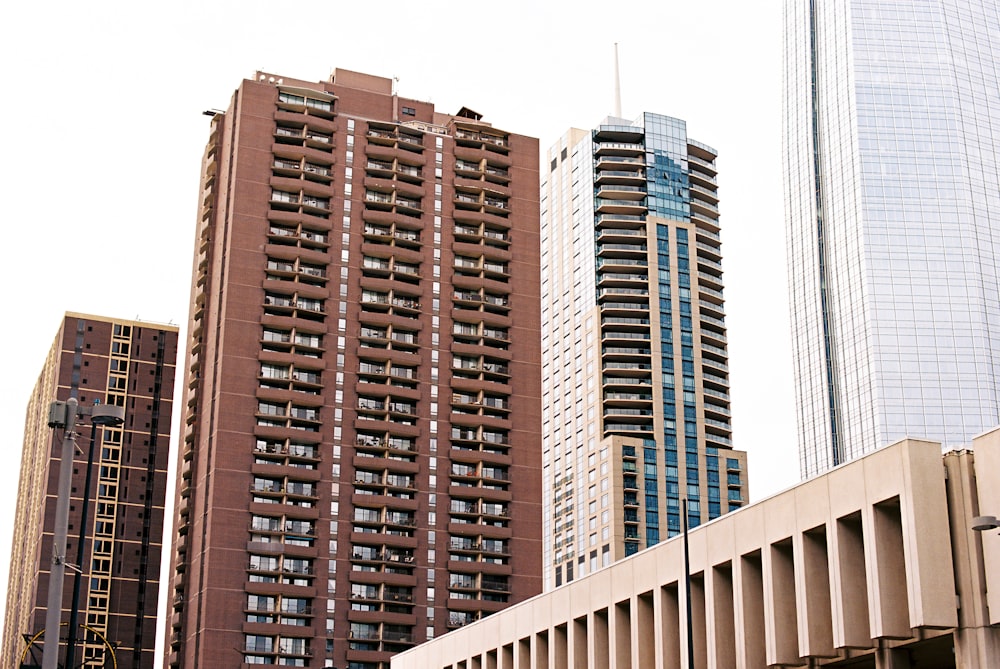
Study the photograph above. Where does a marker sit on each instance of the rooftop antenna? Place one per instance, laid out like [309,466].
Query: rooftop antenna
[618,87]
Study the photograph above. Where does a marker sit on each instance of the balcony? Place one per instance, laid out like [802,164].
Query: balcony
[620,220]
[718,441]
[611,148]
[719,381]
[710,250]
[711,280]
[713,322]
[627,428]
[643,398]
[616,250]
[395,138]
[709,264]
[482,140]
[620,413]
[616,335]
[497,174]
[618,263]
[718,427]
[712,295]
[706,221]
[495,585]
[712,409]
[626,381]
[711,309]
[619,206]
[614,234]
[704,233]
[613,191]
[704,165]
[709,195]
[620,163]
[623,177]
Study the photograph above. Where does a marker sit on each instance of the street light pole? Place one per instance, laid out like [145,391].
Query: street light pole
[687,589]
[78,576]
[100,416]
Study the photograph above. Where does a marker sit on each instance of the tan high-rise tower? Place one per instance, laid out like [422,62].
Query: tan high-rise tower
[636,377]
[360,468]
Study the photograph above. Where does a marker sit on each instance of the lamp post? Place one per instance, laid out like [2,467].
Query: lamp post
[64,415]
[687,589]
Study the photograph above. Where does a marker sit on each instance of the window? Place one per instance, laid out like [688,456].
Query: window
[269,409]
[364,631]
[363,515]
[409,111]
[263,562]
[294,605]
[371,332]
[283,196]
[292,646]
[281,336]
[374,297]
[274,371]
[371,368]
[255,642]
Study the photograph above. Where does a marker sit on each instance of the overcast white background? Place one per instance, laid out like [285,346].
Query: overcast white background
[103,136]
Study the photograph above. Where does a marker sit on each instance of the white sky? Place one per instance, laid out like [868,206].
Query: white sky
[104,136]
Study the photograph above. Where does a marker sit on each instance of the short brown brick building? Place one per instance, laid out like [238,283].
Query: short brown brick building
[110,361]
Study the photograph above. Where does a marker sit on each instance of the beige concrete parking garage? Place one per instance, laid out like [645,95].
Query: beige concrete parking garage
[873,564]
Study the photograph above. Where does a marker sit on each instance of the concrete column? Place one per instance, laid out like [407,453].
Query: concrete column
[987,454]
[779,605]
[720,617]
[621,635]
[540,650]
[849,591]
[929,570]
[812,592]
[578,642]
[643,631]
[749,604]
[598,640]
[666,605]
[886,566]
[558,650]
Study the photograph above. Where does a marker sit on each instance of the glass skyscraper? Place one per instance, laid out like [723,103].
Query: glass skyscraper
[892,130]
[634,356]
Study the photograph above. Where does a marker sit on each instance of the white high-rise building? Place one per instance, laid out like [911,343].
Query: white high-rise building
[892,131]
[635,376]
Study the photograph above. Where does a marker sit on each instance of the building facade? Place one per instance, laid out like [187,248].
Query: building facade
[102,360]
[872,565]
[892,138]
[635,379]
[360,466]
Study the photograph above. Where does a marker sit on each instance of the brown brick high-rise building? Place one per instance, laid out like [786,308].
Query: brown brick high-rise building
[111,361]
[360,468]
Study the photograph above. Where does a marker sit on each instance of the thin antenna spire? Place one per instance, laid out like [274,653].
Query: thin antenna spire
[618,87]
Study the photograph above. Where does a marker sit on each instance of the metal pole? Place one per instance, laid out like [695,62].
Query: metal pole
[53,612]
[74,610]
[687,589]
